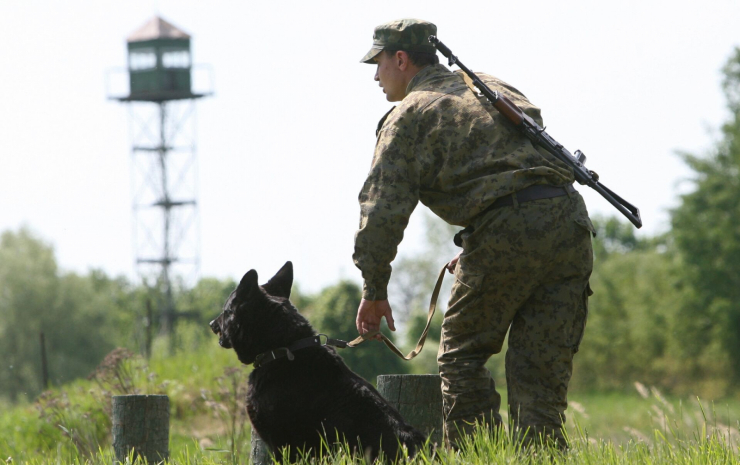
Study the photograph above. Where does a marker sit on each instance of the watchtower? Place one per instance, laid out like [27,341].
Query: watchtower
[161,103]
[159,63]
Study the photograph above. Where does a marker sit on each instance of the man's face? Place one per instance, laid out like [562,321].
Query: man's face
[390,76]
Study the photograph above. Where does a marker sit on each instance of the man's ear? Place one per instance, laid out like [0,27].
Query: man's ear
[247,284]
[402,60]
[280,284]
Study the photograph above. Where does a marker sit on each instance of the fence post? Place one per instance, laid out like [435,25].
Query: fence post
[141,423]
[418,398]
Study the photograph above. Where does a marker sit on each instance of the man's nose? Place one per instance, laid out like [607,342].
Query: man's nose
[376,75]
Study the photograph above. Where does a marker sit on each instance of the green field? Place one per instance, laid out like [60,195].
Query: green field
[207,388]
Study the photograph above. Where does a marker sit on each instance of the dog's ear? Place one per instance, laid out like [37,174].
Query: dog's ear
[280,284]
[247,285]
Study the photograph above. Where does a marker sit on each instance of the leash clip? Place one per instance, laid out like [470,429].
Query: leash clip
[338,343]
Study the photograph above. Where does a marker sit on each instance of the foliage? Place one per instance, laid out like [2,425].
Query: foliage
[83,317]
[632,324]
[642,425]
[229,403]
[332,312]
[206,299]
[614,236]
[74,421]
[706,231]
[78,418]
[609,429]
[75,314]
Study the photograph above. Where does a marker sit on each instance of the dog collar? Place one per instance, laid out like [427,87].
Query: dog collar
[313,341]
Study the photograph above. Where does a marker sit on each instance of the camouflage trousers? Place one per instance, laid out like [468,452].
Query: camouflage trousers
[524,269]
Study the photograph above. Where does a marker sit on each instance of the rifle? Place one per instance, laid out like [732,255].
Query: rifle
[538,136]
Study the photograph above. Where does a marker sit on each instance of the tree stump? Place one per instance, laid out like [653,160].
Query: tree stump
[418,398]
[141,423]
[260,453]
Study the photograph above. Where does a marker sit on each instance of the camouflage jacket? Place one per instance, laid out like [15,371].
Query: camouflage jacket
[447,147]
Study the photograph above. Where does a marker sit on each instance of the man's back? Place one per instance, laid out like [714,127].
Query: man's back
[456,149]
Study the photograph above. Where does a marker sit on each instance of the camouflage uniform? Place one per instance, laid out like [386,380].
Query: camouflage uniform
[524,266]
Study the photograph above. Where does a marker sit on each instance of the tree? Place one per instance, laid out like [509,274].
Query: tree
[614,236]
[706,230]
[199,305]
[332,312]
[79,316]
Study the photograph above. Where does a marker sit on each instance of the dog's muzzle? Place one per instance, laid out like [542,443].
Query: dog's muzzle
[216,328]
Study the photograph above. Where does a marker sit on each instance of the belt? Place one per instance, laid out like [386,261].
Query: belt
[528,194]
[536,192]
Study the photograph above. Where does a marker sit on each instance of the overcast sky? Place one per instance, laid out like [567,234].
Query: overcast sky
[286,141]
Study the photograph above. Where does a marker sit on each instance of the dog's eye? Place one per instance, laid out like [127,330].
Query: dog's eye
[228,312]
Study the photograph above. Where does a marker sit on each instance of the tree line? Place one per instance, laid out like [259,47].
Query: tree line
[665,309]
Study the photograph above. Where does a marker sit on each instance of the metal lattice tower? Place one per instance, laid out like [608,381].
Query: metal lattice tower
[164,164]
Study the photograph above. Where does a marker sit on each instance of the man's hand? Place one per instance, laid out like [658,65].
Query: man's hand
[453,263]
[370,313]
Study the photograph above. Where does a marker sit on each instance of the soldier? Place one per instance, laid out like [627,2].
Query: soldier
[526,248]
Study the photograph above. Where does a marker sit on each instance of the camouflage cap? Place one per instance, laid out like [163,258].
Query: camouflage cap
[411,35]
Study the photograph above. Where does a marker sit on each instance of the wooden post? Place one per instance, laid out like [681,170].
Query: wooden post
[141,423]
[418,398]
[260,453]
[44,366]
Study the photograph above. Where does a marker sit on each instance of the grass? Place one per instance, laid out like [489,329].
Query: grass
[481,449]
[206,387]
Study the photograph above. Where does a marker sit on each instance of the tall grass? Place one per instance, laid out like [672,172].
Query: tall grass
[208,426]
[480,448]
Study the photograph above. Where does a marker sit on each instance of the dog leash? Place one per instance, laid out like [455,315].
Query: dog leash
[419,345]
[314,341]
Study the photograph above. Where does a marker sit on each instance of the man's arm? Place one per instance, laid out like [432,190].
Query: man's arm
[387,200]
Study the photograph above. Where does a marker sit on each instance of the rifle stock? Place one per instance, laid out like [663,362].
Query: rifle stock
[509,109]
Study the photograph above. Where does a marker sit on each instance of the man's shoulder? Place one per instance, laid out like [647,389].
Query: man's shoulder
[439,92]
[428,101]
[428,93]
[497,84]
[438,85]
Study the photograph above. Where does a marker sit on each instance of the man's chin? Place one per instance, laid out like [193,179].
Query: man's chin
[391,99]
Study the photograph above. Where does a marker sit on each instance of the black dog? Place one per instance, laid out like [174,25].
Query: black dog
[299,398]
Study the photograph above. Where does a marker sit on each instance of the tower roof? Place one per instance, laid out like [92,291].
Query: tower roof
[157,28]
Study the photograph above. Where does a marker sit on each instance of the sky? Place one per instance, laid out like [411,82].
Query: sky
[285,142]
